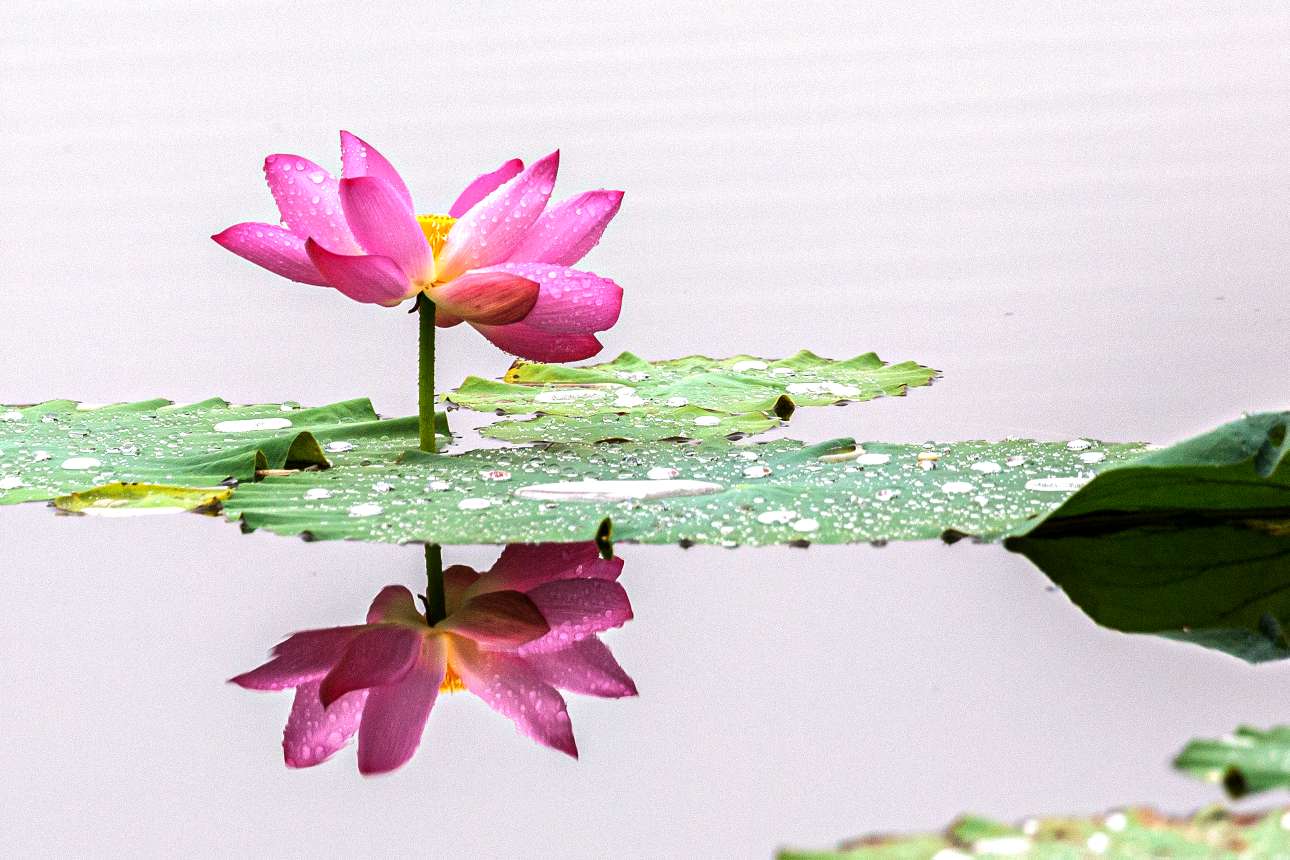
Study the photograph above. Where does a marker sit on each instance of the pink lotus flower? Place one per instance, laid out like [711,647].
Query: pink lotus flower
[499,260]
[512,636]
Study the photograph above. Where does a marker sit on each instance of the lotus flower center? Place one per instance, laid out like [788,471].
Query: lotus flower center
[436,228]
[452,682]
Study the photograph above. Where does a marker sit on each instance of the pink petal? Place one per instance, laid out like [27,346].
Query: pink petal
[384,225]
[379,656]
[535,344]
[303,657]
[276,249]
[457,579]
[364,278]
[483,186]
[314,733]
[499,619]
[395,716]
[443,319]
[360,158]
[523,566]
[569,301]
[496,225]
[508,685]
[585,667]
[395,603]
[576,609]
[489,297]
[309,201]
[569,229]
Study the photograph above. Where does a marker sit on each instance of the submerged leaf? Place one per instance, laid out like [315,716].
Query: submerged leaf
[1244,762]
[133,499]
[1221,585]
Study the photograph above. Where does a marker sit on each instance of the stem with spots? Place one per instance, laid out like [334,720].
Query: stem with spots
[436,604]
[425,373]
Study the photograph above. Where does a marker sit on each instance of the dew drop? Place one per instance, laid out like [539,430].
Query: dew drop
[749,364]
[81,463]
[247,425]
[338,447]
[986,467]
[366,509]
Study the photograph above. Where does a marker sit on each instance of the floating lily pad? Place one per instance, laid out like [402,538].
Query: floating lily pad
[735,385]
[716,492]
[1222,585]
[59,447]
[685,423]
[121,500]
[1244,762]
[1211,833]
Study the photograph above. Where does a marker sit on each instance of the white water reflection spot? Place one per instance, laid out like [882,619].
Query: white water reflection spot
[367,509]
[616,491]
[756,471]
[1057,485]
[1092,457]
[873,459]
[569,395]
[806,525]
[662,473]
[955,487]
[474,504]
[707,421]
[986,467]
[120,508]
[835,389]
[247,425]
[1079,444]
[77,464]
[749,364]
[317,493]
[10,482]
[772,518]
[338,447]
[11,416]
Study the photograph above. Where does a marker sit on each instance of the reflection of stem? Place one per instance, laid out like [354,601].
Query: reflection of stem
[436,608]
[425,373]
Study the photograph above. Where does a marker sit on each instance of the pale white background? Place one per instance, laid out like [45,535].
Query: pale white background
[1078,211]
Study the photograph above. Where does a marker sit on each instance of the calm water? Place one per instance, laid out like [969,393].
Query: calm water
[1079,214]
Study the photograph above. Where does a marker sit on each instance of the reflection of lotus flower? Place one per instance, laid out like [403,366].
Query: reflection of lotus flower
[499,260]
[512,636]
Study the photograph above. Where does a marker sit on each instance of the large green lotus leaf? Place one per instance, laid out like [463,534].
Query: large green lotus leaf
[715,492]
[686,423]
[1244,762]
[1241,467]
[1212,833]
[1222,585]
[734,385]
[60,447]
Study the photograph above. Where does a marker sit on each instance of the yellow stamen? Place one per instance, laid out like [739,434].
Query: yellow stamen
[452,682]
[436,228]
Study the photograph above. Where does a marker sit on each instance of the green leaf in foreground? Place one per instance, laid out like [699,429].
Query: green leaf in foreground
[716,492]
[1244,762]
[59,447]
[731,385]
[121,500]
[1223,585]
[1210,833]
[1241,467]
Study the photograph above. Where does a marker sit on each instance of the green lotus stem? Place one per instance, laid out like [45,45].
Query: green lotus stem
[436,604]
[425,373]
